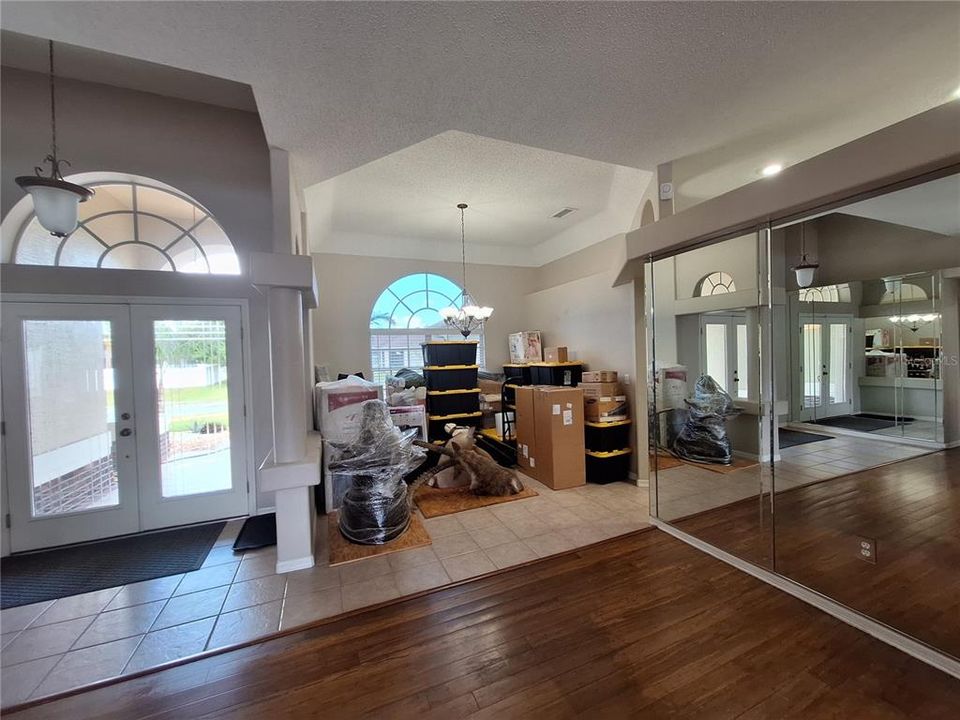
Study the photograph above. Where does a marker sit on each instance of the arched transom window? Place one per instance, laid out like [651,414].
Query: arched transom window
[406,314]
[716,283]
[826,293]
[904,292]
[134,226]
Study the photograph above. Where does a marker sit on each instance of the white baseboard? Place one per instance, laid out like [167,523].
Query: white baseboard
[304,563]
[881,632]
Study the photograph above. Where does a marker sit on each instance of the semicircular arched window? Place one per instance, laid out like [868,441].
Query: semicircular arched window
[904,292]
[130,225]
[716,283]
[406,314]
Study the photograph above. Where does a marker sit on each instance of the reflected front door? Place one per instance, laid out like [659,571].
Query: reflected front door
[120,418]
[826,368]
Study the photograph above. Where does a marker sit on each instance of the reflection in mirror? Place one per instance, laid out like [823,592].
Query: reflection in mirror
[867,496]
[704,320]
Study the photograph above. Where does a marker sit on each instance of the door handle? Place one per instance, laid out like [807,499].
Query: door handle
[126,432]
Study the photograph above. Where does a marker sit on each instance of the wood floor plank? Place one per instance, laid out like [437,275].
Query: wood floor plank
[910,508]
[642,626]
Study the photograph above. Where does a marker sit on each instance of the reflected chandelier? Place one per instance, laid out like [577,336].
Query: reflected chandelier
[469,316]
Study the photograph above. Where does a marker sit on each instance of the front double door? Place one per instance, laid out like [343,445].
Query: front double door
[120,418]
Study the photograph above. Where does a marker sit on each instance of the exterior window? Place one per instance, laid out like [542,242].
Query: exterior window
[407,314]
[134,226]
[716,283]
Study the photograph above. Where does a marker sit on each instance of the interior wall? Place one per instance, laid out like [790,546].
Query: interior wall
[217,155]
[350,284]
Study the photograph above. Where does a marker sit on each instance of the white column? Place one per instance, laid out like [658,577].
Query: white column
[287,369]
[292,465]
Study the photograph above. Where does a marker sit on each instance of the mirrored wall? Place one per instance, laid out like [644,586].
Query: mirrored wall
[805,424]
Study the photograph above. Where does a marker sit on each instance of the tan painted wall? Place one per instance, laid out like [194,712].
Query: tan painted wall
[350,284]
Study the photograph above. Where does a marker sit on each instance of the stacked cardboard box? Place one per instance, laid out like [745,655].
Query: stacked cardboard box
[550,440]
[604,401]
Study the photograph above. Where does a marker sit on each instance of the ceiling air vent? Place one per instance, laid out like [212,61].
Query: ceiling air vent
[563,213]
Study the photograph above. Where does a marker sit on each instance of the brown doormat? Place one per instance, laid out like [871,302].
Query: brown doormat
[343,551]
[434,502]
[664,462]
[738,463]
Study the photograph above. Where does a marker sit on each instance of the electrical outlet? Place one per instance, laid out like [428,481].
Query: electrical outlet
[867,549]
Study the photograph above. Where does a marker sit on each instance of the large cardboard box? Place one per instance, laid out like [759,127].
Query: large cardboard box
[525,429]
[560,452]
[600,389]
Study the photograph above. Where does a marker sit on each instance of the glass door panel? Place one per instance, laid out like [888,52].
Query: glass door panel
[72,461]
[190,408]
[810,368]
[193,407]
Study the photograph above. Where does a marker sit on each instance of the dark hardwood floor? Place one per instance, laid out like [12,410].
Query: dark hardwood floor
[911,509]
[642,626]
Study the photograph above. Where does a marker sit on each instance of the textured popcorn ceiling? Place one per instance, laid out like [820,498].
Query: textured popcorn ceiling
[723,87]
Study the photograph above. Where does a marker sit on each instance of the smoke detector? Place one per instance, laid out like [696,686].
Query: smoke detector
[563,213]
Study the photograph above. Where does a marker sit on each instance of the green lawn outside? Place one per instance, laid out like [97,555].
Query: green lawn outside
[208,394]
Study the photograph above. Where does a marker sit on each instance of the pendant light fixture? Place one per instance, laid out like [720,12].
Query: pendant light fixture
[469,316]
[805,270]
[55,200]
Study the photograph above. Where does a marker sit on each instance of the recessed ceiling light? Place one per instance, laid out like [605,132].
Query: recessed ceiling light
[771,169]
[956,93]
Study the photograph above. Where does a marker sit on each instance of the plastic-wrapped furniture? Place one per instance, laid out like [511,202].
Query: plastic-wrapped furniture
[703,437]
[375,509]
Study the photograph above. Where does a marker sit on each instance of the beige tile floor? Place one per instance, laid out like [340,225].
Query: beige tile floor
[55,646]
[688,489]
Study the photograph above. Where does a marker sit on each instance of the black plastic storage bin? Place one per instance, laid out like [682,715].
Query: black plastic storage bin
[453,402]
[435,423]
[607,436]
[450,377]
[517,374]
[450,352]
[608,467]
[556,373]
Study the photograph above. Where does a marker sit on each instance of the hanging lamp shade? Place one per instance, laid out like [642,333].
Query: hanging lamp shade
[805,269]
[55,201]
[470,315]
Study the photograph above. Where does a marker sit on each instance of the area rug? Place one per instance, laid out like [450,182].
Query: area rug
[861,423]
[343,551]
[434,502]
[738,463]
[792,438]
[62,572]
[258,531]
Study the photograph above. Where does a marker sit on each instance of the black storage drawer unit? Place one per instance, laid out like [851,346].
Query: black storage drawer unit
[450,377]
[607,436]
[556,373]
[453,402]
[608,467]
[450,352]
[517,374]
[436,423]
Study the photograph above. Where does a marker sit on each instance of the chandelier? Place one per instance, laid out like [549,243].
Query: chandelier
[469,316]
[55,200]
